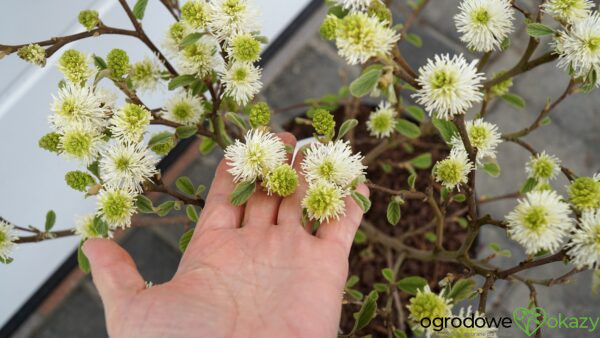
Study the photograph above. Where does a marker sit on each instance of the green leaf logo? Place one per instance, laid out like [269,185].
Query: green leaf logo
[529,320]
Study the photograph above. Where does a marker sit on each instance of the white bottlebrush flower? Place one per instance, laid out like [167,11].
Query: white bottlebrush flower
[454,169]
[543,167]
[427,304]
[584,247]
[184,108]
[77,104]
[130,123]
[579,48]
[116,207]
[569,11]
[8,235]
[81,142]
[382,121]
[333,162]
[360,37]
[108,98]
[86,228]
[232,17]
[127,166]
[540,221]
[201,58]
[450,86]
[242,82]
[176,32]
[324,201]
[145,75]
[262,152]
[467,330]
[354,5]
[483,135]
[484,24]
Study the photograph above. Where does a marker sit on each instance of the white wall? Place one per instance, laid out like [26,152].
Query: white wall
[31,179]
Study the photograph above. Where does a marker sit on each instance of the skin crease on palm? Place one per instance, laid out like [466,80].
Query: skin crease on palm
[250,271]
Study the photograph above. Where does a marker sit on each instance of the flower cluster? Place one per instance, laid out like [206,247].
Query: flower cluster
[332,171]
[484,24]
[453,171]
[8,235]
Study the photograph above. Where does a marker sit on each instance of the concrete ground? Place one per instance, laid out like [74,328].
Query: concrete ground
[310,67]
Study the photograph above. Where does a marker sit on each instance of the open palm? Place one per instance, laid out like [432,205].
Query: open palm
[250,271]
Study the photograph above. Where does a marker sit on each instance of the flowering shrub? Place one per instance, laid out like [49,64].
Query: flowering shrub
[209,68]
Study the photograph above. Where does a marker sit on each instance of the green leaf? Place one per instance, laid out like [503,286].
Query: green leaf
[352,281]
[528,185]
[492,169]
[159,138]
[191,213]
[84,263]
[6,260]
[411,180]
[100,226]
[200,189]
[363,201]
[505,44]
[546,121]
[237,120]
[414,40]
[99,62]
[346,127]
[393,212]
[50,220]
[181,80]
[94,168]
[380,287]
[139,9]
[165,208]
[430,236]
[367,81]
[185,185]
[242,192]
[144,204]
[416,112]
[514,100]
[388,274]
[537,29]
[355,294]
[459,198]
[461,290]
[367,312]
[399,334]
[408,129]
[185,239]
[411,284]
[186,131]
[422,161]
[360,237]
[190,39]
[207,145]
[446,128]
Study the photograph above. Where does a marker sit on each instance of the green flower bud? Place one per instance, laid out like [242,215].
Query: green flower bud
[74,65]
[260,114]
[118,62]
[89,19]
[380,11]
[502,88]
[33,53]
[50,142]
[323,122]
[79,180]
[196,13]
[584,193]
[245,48]
[282,181]
[329,27]
[163,148]
[427,304]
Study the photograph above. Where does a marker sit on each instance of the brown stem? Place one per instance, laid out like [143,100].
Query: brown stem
[485,289]
[162,188]
[524,265]
[403,193]
[522,68]
[464,135]
[483,200]
[172,8]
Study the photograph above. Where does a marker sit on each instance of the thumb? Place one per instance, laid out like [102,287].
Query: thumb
[113,271]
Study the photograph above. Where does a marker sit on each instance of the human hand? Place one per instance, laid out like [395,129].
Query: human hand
[250,271]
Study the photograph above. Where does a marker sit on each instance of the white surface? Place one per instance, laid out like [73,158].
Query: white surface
[31,179]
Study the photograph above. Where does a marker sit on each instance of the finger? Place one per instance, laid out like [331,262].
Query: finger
[218,212]
[343,230]
[262,208]
[113,271]
[290,209]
